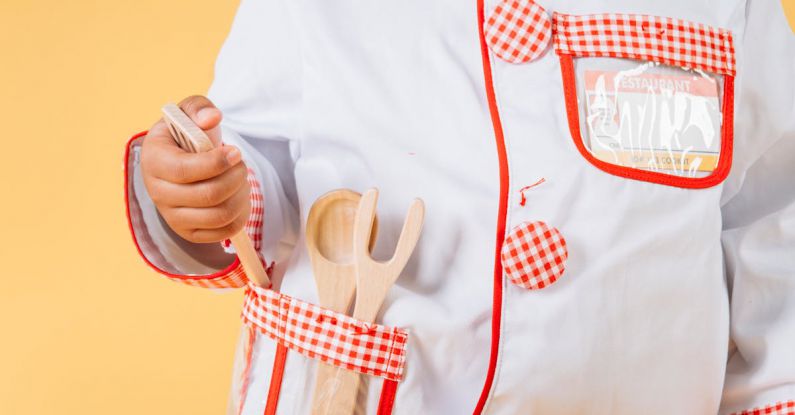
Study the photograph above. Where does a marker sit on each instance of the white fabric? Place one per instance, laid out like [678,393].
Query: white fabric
[759,218]
[663,286]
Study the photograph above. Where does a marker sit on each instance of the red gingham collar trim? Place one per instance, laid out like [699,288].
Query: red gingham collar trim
[325,335]
[658,39]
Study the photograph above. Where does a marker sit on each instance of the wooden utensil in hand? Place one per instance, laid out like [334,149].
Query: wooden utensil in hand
[191,138]
[329,241]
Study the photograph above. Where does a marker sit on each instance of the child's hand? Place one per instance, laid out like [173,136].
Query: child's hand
[204,197]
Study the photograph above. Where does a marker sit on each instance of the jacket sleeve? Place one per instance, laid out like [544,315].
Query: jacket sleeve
[759,221]
[257,87]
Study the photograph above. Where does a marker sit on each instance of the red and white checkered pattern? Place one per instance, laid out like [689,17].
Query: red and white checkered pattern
[322,334]
[256,217]
[234,277]
[781,408]
[518,31]
[658,39]
[255,220]
[534,255]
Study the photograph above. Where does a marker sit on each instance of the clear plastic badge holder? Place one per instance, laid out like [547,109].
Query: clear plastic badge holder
[649,98]
[650,116]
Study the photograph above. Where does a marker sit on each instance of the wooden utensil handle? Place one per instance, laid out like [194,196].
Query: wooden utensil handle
[249,259]
[191,138]
[336,391]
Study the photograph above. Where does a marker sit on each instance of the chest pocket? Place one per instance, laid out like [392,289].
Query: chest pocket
[649,98]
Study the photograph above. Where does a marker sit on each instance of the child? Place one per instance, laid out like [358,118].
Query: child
[610,214]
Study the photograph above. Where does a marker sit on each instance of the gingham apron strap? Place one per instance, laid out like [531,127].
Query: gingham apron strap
[330,337]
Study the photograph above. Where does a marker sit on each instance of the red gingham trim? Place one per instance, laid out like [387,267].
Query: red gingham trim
[254,223]
[256,216]
[781,408]
[322,334]
[234,278]
[658,39]
[231,277]
[534,255]
[518,30]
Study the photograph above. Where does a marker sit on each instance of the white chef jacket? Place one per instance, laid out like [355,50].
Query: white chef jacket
[670,297]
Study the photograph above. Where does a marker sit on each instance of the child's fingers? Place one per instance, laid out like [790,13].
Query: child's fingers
[166,161]
[200,236]
[214,217]
[209,235]
[205,193]
[202,111]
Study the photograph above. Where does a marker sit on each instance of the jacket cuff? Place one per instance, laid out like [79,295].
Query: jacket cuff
[165,252]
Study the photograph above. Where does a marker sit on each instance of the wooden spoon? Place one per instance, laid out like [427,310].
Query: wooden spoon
[191,138]
[373,280]
[329,240]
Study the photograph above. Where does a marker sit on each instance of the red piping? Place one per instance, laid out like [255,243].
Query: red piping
[276,379]
[496,313]
[387,400]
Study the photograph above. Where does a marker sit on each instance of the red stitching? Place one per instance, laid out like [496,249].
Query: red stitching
[523,200]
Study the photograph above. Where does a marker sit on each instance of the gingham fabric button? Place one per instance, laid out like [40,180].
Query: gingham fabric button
[534,255]
[518,31]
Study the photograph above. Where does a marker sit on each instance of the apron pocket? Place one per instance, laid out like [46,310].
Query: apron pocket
[343,347]
[649,98]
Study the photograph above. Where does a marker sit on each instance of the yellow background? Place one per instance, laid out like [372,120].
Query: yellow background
[789,9]
[85,326]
